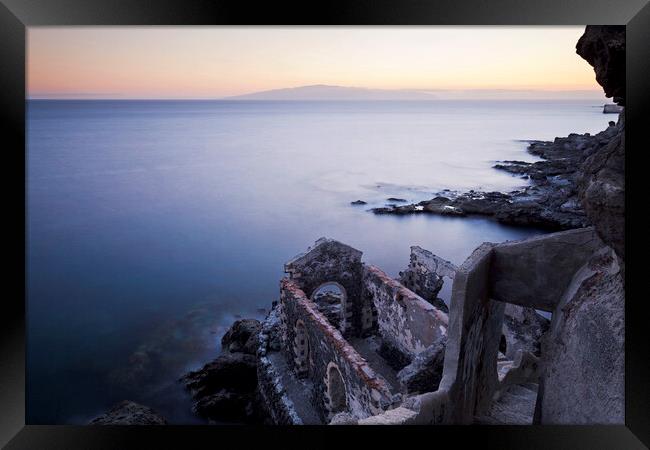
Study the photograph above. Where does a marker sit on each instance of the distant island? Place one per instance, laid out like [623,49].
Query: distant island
[324,92]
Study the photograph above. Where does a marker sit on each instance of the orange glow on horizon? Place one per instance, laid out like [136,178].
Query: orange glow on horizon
[214,62]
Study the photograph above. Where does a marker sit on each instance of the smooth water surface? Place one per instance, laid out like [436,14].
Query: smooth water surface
[153,224]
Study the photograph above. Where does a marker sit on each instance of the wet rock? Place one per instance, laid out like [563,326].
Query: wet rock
[242,336]
[230,406]
[358,202]
[129,413]
[232,371]
[396,200]
[551,201]
[225,390]
[425,372]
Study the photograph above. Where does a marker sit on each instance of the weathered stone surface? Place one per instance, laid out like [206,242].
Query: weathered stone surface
[322,347]
[242,336]
[536,271]
[405,319]
[603,46]
[583,356]
[425,276]
[332,262]
[344,419]
[425,372]
[523,329]
[601,187]
[271,373]
[470,373]
[129,413]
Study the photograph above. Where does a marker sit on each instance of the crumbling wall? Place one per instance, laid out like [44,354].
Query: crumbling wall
[424,275]
[366,393]
[330,261]
[404,319]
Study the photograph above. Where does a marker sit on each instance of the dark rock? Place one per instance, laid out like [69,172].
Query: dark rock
[601,186]
[358,202]
[602,176]
[225,389]
[233,371]
[603,47]
[230,406]
[242,336]
[552,200]
[397,200]
[425,372]
[129,413]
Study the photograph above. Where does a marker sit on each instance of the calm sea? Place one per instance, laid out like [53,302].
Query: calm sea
[152,225]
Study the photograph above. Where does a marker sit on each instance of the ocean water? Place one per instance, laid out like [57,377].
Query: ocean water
[152,225]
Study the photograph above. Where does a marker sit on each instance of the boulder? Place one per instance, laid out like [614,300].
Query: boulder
[242,336]
[232,371]
[129,413]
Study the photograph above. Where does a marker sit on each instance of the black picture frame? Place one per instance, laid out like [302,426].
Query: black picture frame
[16,15]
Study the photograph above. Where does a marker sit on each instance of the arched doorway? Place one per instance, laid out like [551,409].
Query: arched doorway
[301,349]
[336,395]
[331,300]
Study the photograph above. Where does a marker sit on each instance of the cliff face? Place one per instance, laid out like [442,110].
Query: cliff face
[602,175]
[603,46]
[584,352]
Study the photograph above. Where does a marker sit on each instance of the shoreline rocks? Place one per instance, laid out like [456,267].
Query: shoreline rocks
[129,413]
[550,201]
[226,389]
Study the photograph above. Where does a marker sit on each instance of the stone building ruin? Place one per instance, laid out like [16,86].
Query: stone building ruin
[378,350]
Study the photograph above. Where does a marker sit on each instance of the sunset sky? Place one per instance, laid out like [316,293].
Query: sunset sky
[214,62]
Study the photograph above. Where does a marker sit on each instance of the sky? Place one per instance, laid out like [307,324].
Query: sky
[216,62]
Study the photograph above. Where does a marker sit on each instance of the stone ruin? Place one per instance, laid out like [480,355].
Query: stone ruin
[347,344]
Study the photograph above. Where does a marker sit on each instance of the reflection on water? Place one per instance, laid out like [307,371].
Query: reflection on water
[152,225]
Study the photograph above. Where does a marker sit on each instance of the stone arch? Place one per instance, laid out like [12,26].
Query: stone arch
[301,348]
[335,312]
[336,400]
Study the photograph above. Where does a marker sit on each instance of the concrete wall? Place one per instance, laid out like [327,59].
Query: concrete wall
[366,393]
[470,370]
[535,272]
[404,319]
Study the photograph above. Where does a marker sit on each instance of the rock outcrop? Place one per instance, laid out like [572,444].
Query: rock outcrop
[602,180]
[551,201]
[129,413]
[225,390]
[583,379]
[603,46]
[242,337]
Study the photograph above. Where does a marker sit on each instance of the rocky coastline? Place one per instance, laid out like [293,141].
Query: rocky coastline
[551,201]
